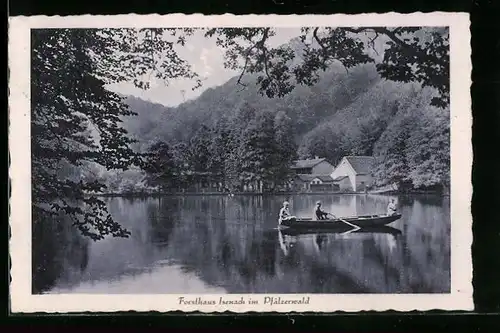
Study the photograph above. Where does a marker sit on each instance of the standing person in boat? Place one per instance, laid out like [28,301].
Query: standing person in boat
[285,212]
[320,215]
[391,207]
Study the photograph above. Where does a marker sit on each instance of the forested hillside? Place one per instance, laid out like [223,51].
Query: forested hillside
[331,91]
[351,112]
[307,106]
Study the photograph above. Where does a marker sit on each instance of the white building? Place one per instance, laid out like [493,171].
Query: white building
[359,171]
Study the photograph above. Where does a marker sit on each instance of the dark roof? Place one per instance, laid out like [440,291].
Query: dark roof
[306,177]
[339,178]
[309,177]
[305,164]
[324,178]
[362,165]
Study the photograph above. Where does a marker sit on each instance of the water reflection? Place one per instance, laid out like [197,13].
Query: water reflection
[215,244]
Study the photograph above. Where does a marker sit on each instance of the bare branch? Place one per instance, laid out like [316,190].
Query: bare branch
[315,35]
[259,44]
[356,30]
[247,58]
[244,69]
[372,42]
[264,53]
[324,48]
[389,33]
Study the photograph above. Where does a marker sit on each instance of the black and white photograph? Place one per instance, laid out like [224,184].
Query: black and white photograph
[246,166]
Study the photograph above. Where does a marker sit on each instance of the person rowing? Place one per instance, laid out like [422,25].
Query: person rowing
[320,215]
[285,212]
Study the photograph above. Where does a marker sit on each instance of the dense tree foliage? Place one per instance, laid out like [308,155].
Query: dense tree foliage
[160,166]
[333,100]
[391,121]
[410,54]
[252,148]
[197,154]
[286,148]
[75,120]
[414,150]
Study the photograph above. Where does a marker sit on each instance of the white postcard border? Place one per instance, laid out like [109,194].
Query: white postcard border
[21,299]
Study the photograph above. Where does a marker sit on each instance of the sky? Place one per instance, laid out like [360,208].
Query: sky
[207,60]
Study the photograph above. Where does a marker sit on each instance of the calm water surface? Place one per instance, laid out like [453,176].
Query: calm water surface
[216,244]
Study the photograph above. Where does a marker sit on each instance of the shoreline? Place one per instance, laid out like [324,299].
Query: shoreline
[167,194]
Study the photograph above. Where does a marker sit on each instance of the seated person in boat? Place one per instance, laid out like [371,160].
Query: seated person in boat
[320,215]
[285,212]
[391,208]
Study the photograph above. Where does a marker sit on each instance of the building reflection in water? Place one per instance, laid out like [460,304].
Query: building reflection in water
[231,244]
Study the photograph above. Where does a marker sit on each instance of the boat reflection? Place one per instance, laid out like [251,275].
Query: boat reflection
[196,244]
[342,231]
[321,239]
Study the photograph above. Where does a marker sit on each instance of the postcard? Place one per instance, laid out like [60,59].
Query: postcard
[254,163]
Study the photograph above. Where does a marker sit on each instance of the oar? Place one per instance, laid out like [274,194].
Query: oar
[348,223]
[349,231]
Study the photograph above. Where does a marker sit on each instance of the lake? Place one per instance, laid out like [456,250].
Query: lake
[222,244]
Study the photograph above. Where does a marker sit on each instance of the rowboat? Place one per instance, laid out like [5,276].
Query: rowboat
[362,221]
[339,230]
